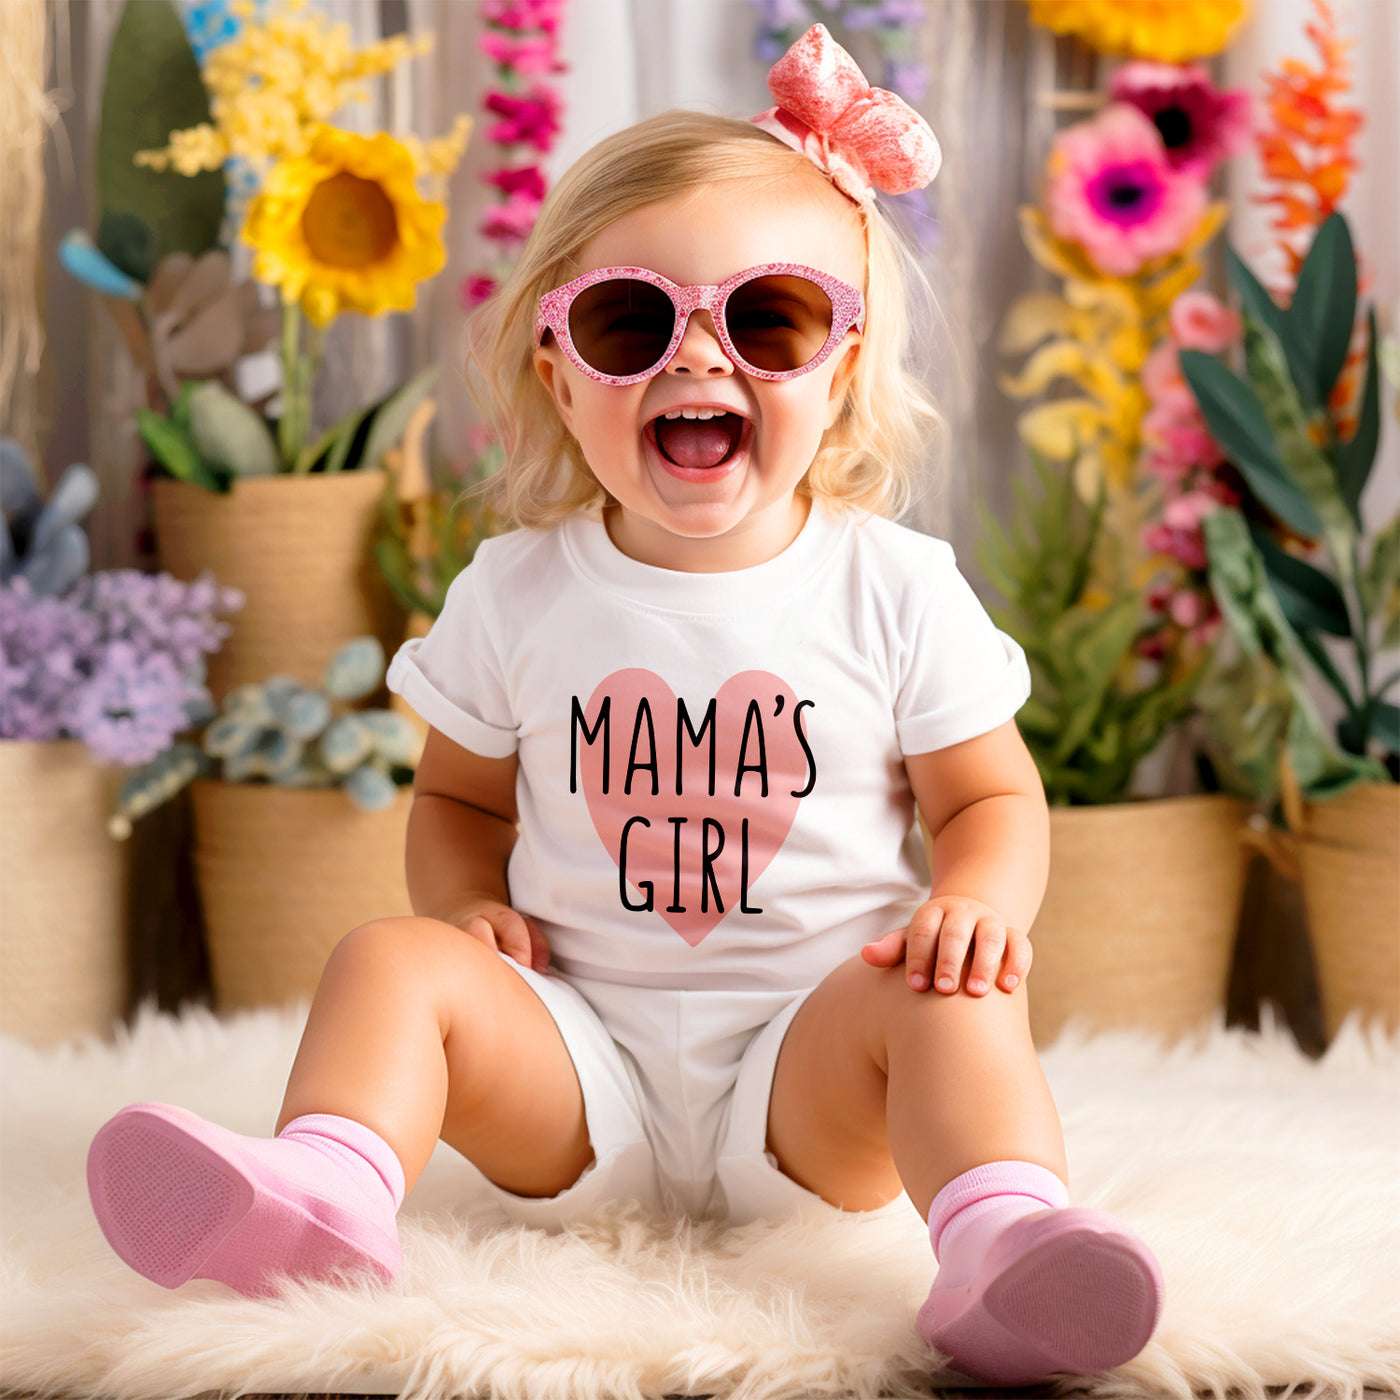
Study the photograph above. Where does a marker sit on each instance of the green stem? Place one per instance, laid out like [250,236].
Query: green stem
[291,428]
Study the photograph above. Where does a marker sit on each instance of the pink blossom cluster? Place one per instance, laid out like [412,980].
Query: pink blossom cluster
[1181,453]
[1130,185]
[522,41]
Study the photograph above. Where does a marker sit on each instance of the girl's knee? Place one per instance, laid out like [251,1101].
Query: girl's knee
[404,945]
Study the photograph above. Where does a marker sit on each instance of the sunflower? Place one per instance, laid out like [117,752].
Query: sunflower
[1171,31]
[343,227]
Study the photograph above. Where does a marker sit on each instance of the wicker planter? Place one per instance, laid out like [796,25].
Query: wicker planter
[300,550]
[284,874]
[63,893]
[1348,860]
[1139,919]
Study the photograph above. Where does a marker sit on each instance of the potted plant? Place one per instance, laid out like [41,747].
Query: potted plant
[1128,876]
[250,485]
[301,816]
[97,672]
[1335,797]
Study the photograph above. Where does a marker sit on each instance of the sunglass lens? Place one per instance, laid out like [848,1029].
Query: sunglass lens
[777,322]
[622,326]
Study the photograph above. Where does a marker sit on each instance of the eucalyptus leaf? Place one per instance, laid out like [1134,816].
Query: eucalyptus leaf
[1239,424]
[346,744]
[371,788]
[356,669]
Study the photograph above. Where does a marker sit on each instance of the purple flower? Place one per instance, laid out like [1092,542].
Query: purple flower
[909,80]
[117,662]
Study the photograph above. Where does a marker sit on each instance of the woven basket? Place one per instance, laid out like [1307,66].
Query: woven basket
[284,874]
[1348,855]
[1138,923]
[63,893]
[299,548]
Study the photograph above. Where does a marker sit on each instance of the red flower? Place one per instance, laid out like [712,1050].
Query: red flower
[523,179]
[532,119]
[523,14]
[475,289]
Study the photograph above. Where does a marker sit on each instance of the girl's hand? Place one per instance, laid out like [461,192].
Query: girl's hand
[942,929]
[497,925]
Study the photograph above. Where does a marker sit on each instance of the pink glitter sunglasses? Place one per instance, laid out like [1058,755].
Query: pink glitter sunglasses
[620,325]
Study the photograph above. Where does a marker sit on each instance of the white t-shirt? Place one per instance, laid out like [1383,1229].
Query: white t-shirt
[711,788]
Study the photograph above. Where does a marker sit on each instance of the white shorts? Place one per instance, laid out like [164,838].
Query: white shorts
[675,1092]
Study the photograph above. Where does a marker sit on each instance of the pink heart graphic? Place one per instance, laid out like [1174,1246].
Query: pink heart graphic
[681,852]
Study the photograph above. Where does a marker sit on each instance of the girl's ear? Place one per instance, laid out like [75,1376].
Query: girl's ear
[841,380]
[549,365]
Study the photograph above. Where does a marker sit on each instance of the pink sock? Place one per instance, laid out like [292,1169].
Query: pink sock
[972,1209]
[354,1148]
[1029,1286]
[179,1197]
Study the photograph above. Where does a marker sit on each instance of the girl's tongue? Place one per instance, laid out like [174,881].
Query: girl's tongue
[698,442]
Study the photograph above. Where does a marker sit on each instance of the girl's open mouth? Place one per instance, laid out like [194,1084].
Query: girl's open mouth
[699,449]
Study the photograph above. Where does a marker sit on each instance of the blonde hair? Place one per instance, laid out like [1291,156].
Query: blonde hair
[867,457]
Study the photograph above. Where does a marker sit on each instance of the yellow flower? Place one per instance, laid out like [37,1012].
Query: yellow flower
[276,80]
[1170,31]
[343,228]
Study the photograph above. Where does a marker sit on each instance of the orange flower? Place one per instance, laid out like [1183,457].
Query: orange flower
[1306,151]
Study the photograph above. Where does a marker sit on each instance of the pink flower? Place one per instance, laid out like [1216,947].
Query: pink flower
[1163,382]
[1187,607]
[476,289]
[512,221]
[1198,123]
[1112,190]
[532,55]
[532,119]
[523,14]
[1186,512]
[1186,546]
[525,179]
[1199,320]
[1166,467]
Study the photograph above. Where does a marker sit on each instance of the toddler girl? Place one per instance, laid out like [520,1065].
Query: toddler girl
[675,936]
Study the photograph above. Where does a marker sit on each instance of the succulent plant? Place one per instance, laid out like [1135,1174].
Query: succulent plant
[285,733]
[41,543]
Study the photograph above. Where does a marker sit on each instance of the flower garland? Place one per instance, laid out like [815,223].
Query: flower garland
[893,26]
[522,41]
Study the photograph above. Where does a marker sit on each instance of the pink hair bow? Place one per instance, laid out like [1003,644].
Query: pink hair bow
[863,137]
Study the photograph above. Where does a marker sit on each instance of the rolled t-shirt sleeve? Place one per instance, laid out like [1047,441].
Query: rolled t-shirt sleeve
[961,676]
[452,677]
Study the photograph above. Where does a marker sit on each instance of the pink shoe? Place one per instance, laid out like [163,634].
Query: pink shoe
[180,1198]
[1060,1290]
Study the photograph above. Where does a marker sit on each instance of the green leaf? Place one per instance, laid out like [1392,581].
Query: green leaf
[153,87]
[1379,583]
[229,433]
[1309,597]
[1307,466]
[1323,310]
[1357,455]
[395,566]
[1268,312]
[1239,424]
[1317,653]
[1240,584]
[1385,725]
[175,450]
[391,418]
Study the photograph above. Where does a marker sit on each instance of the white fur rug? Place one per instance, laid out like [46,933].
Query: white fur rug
[1268,1184]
